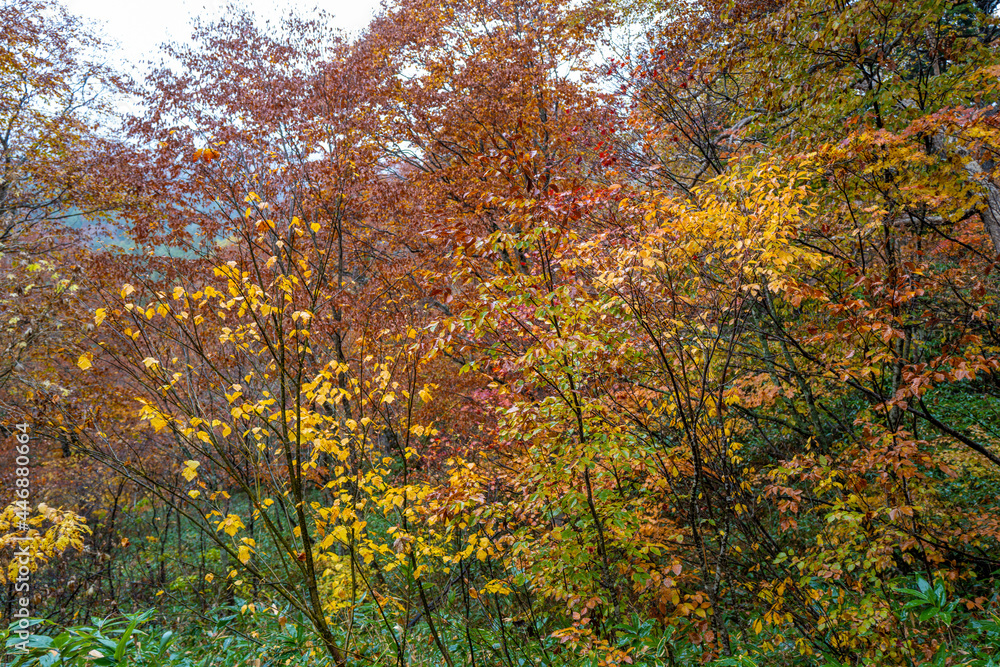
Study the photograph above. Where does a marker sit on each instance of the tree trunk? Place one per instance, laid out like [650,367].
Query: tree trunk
[990,211]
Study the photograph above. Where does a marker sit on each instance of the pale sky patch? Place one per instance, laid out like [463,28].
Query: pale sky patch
[139,27]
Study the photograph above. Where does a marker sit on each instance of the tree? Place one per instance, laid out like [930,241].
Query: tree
[439,341]
[250,352]
[841,360]
[51,95]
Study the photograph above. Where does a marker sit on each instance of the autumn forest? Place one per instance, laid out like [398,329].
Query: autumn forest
[504,333]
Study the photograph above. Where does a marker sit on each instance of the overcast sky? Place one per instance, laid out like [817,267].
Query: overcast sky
[139,26]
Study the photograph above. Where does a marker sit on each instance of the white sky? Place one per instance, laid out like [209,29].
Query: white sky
[139,26]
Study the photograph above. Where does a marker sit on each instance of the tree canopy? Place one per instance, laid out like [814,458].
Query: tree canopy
[509,332]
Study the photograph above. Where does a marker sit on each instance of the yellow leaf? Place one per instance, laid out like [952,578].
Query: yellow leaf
[231,525]
[190,470]
[85,361]
[99,316]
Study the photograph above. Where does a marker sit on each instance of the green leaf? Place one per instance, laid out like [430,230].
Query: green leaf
[123,641]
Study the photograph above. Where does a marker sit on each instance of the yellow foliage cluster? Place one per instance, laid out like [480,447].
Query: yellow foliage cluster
[50,532]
